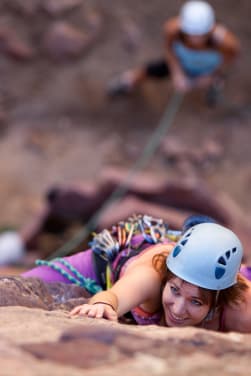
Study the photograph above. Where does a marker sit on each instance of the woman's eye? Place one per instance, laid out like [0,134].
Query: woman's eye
[196,302]
[174,290]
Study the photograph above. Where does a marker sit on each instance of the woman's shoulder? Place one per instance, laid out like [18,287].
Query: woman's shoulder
[218,34]
[172,27]
[146,256]
[223,37]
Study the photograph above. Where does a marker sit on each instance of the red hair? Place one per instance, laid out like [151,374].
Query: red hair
[230,295]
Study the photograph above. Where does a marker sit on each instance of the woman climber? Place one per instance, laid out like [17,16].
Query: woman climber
[162,277]
[198,52]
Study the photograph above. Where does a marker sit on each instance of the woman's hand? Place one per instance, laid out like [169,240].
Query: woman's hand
[98,311]
[204,82]
[181,83]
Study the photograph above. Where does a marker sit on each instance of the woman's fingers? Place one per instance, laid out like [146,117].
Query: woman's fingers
[81,310]
[95,311]
[100,309]
[75,311]
[89,310]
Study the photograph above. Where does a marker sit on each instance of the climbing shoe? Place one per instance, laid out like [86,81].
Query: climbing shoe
[119,87]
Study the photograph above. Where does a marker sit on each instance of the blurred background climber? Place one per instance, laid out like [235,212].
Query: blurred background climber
[198,52]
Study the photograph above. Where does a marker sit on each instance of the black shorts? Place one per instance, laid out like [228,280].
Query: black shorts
[157,69]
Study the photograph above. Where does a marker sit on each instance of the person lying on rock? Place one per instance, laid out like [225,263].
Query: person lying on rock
[161,276]
[198,51]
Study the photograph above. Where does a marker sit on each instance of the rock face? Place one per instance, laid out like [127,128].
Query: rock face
[38,337]
[38,342]
[34,293]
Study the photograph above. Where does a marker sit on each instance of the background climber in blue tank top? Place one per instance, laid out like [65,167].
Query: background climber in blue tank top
[198,51]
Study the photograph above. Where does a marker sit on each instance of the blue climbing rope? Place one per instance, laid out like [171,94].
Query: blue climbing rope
[89,284]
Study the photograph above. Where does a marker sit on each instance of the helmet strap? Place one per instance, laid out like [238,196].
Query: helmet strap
[212,310]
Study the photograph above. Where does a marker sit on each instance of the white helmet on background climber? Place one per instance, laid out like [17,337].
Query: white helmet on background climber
[196,17]
[208,255]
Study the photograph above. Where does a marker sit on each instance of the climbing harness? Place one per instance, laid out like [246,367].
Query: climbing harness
[112,249]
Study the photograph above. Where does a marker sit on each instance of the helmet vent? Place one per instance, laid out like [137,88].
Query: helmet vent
[176,250]
[234,250]
[184,241]
[228,253]
[219,272]
[222,261]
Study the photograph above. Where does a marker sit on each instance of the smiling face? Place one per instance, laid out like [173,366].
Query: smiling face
[184,304]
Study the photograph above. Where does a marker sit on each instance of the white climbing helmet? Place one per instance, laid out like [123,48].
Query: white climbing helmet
[208,255]
[196,17]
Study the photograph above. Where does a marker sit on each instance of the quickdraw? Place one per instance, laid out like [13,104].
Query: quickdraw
[107,244]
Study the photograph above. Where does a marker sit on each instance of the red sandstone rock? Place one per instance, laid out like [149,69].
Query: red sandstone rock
[34,293]
[130,205]
[56,8]
[63,41]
